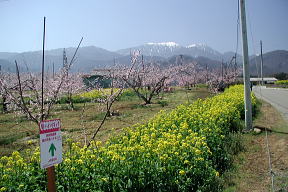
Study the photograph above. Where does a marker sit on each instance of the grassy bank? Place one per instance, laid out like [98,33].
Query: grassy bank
[250,170]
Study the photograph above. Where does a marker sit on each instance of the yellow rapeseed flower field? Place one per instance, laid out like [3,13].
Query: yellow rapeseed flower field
[183,150]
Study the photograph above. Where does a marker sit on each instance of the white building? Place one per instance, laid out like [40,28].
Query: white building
[266,80]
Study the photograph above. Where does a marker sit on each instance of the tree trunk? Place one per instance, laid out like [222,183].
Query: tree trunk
[71,101]
[4,104]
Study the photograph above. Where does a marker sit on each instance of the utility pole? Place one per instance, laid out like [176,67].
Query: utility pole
[262,82]
[206,68]
[222,70]
[64,58]
[53,70]
[246,73]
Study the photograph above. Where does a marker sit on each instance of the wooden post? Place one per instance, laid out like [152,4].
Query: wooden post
[51,179]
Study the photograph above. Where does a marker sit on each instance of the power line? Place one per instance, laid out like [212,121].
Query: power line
[253,43]
[237,29]
[237,37]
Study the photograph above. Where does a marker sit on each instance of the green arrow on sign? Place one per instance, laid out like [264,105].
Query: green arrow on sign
[52,149]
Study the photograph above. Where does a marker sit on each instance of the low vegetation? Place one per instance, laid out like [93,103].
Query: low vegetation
[250,170]
[186,149]
[282,82]
[80,123]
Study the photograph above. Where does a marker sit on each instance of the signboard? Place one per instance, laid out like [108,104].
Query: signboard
[50,143]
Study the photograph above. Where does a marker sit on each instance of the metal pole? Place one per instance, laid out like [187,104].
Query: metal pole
[50,170]
[262,82]
[53,70]
[246,73]
[42,83]
[222,70]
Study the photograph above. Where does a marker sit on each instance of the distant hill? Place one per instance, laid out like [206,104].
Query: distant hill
[87,58]
[201,61]
[7,55]
[166,53]
[6,65]
[273,62]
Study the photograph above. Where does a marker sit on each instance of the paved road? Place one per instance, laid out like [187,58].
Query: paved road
[275,96]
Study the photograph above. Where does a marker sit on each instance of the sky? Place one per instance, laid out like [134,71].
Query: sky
[117,24]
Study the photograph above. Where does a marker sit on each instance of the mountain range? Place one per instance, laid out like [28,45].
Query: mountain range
[91,57]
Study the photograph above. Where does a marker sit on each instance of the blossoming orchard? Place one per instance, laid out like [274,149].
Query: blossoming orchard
[181,149]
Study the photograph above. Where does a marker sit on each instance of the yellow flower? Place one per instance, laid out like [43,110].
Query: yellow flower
[105,179]
[200,159]
[20,162]
[182,172]
[100,159]
[186,162]
[4,177]
[80,161]
[8,169]
[16,155]
[4,158]
[197,151]
[67,160]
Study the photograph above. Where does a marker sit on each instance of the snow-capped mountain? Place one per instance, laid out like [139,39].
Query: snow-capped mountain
[169,49]
[168,44]
[164,49]
[94,57]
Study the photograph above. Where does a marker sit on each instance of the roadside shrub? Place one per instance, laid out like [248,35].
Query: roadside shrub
[127,94]
[282,82]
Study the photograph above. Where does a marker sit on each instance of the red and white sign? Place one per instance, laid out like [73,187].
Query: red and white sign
[50,143]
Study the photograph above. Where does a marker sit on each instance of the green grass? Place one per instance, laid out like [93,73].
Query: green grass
[250,167]
[13,128]
[8,139]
